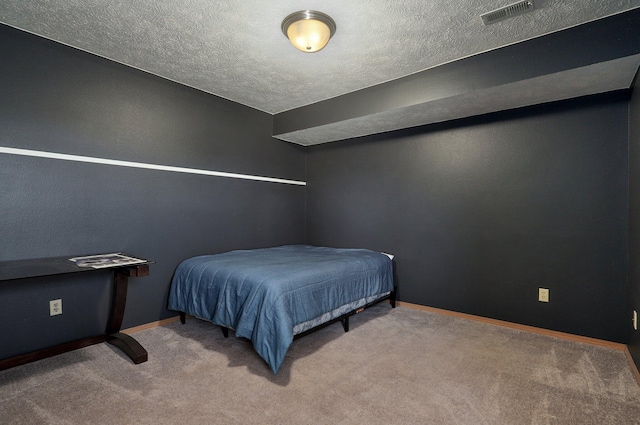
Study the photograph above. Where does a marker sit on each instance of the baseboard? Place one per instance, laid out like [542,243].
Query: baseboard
[541,331]
[150,325]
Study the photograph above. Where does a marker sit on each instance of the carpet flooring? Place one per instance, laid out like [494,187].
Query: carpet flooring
[395,366]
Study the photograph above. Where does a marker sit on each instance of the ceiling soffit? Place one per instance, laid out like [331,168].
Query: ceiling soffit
[591,58]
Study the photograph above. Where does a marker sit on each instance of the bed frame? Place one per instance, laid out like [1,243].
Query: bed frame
[391,296]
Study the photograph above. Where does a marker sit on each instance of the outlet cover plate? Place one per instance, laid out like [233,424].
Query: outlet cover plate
[543,295]
[55,307]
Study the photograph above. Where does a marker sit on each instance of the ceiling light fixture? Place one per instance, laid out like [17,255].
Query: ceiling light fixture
[308,30]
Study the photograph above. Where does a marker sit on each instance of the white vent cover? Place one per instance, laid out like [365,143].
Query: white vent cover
[507,12]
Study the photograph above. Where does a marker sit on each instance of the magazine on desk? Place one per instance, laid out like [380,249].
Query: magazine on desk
[106,260]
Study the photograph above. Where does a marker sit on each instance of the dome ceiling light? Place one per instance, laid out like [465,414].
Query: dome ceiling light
[308,30]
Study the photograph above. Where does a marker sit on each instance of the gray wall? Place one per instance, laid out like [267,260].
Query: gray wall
[481,212]
[58,99]
[634,221]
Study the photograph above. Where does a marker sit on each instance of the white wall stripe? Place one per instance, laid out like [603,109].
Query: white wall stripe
[93,160]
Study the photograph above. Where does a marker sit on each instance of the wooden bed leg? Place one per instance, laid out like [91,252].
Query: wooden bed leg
[345,324]
[225,331]
[183,317]
[393,298]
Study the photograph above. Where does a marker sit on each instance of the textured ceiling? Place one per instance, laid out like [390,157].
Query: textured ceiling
[235,49]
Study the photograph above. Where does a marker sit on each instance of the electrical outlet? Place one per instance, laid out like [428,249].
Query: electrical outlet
[543,295]
[55,307]
[635,320]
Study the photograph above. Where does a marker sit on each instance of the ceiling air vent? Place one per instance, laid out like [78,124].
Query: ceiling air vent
[507,12]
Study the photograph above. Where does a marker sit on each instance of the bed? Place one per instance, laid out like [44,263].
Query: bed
[272,295]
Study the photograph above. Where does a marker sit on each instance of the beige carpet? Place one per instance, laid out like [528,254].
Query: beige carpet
[400,366]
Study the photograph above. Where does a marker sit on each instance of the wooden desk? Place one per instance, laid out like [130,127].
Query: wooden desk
[24,269]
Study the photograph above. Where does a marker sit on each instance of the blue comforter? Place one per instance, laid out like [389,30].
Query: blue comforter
[263,293]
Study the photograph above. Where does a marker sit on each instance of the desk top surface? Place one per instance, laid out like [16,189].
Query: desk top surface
[21,269]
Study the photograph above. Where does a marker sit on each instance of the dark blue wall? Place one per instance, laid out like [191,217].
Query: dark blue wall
[57,99]
[634,221]
[481,212]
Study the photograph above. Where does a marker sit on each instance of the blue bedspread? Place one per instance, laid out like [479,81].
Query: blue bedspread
[264,293]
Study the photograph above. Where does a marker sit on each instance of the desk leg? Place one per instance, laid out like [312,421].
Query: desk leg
[129,346]
[126,343]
